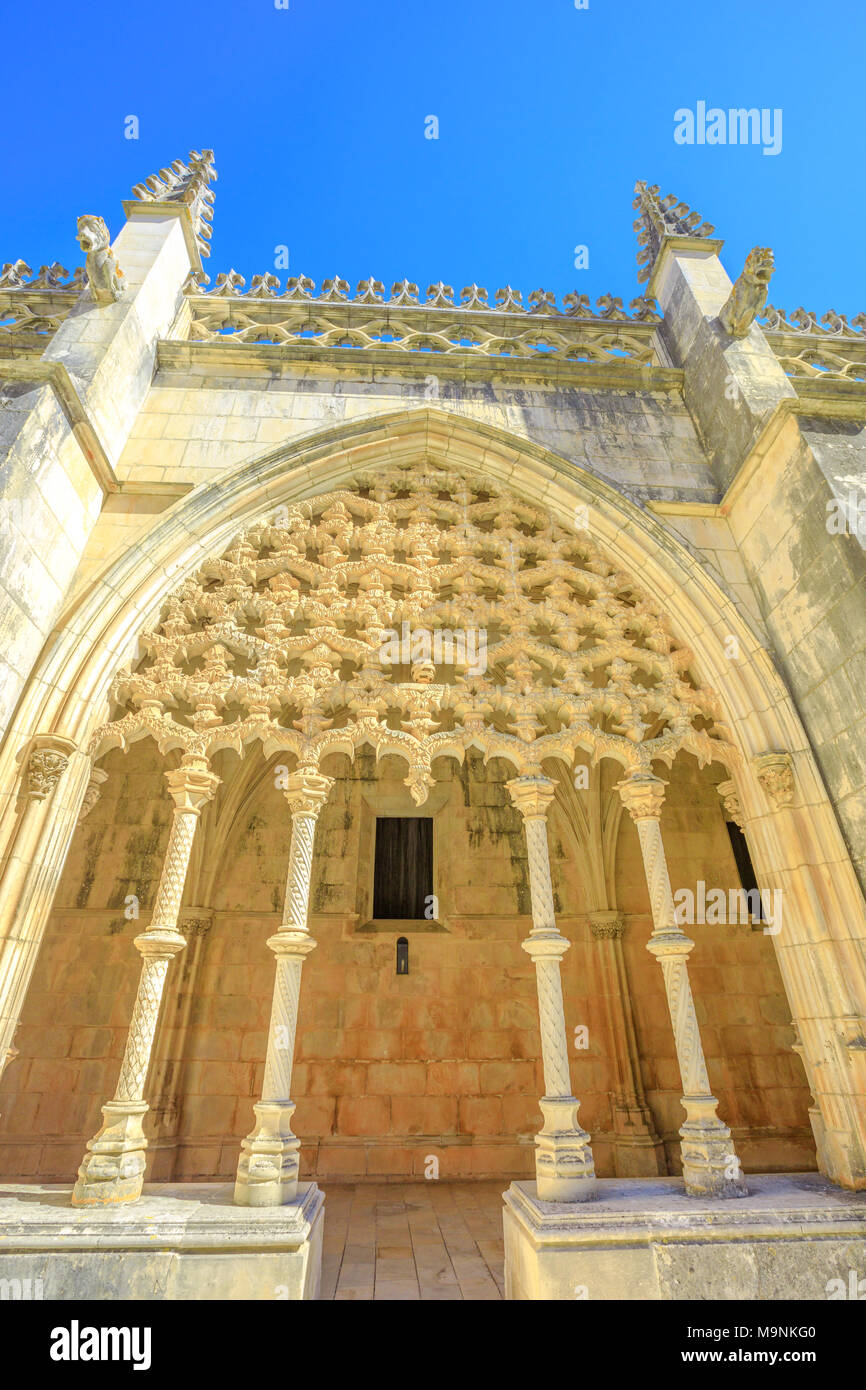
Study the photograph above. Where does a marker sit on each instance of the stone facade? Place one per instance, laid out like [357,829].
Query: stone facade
[216,504]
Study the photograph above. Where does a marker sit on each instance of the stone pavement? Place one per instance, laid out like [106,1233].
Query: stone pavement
[420,1240]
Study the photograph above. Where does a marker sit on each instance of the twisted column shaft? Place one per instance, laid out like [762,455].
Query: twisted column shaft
[564,1166]
[113,1167]
[268,1166]
[710,1163]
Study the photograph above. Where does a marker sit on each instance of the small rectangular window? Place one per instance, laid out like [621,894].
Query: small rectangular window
[403,875]
[745,867]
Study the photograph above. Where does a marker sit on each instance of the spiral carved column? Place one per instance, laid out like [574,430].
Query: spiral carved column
[268,1167]
[710,1163]
[564,1167]
[112,1171]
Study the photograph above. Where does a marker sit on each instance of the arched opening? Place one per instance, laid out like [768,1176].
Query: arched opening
[431,636]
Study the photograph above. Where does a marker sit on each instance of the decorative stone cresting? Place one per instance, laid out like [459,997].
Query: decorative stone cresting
[186,183]
[658,218]
[333,319]
[710,1165]
[32,309]
[112,1171]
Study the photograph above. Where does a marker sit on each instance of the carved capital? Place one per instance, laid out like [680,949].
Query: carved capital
[532,795]
[192,785]
[46,764]
[731,802]
[307,791]
[94,790]
[643,795]
[196,921]
[775,772]
[606,925]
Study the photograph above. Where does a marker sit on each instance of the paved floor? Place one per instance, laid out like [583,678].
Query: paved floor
[412,1241]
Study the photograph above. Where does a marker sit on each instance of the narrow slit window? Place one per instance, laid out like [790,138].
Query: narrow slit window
[745,867]
[403,874]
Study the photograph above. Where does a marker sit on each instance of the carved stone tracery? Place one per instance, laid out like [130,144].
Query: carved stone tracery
[284,639]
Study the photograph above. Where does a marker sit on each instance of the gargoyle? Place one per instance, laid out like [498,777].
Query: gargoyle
[104,275]
[749,293]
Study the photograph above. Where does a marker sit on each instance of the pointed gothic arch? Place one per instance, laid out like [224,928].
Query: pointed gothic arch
[784,805]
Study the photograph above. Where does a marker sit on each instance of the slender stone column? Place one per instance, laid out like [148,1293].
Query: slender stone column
[564,1167]
[268,1166]
[112,1171]
[710,1164]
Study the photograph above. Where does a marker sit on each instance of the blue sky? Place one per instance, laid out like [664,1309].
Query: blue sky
[547,115]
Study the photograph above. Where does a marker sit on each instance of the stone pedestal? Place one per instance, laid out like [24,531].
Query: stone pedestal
[788,1239]
[179,1241]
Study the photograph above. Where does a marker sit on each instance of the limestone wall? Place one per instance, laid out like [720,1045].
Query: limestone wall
[811,586]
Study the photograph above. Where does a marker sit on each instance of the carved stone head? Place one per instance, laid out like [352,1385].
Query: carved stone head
[760,264]
[92,234]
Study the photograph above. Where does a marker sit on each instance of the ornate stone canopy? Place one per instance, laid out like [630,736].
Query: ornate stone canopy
[423,613]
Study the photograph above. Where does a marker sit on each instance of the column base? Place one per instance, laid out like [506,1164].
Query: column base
[112,1171]
[710,1164]
[268,1167]
[564,1166]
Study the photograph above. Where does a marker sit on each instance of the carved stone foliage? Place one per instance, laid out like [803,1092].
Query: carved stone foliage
[334,319]
[186,183]
[660,217]
[748,293]
[45,767]
[304,633]
[104,275]
[776,775]
[607,926]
